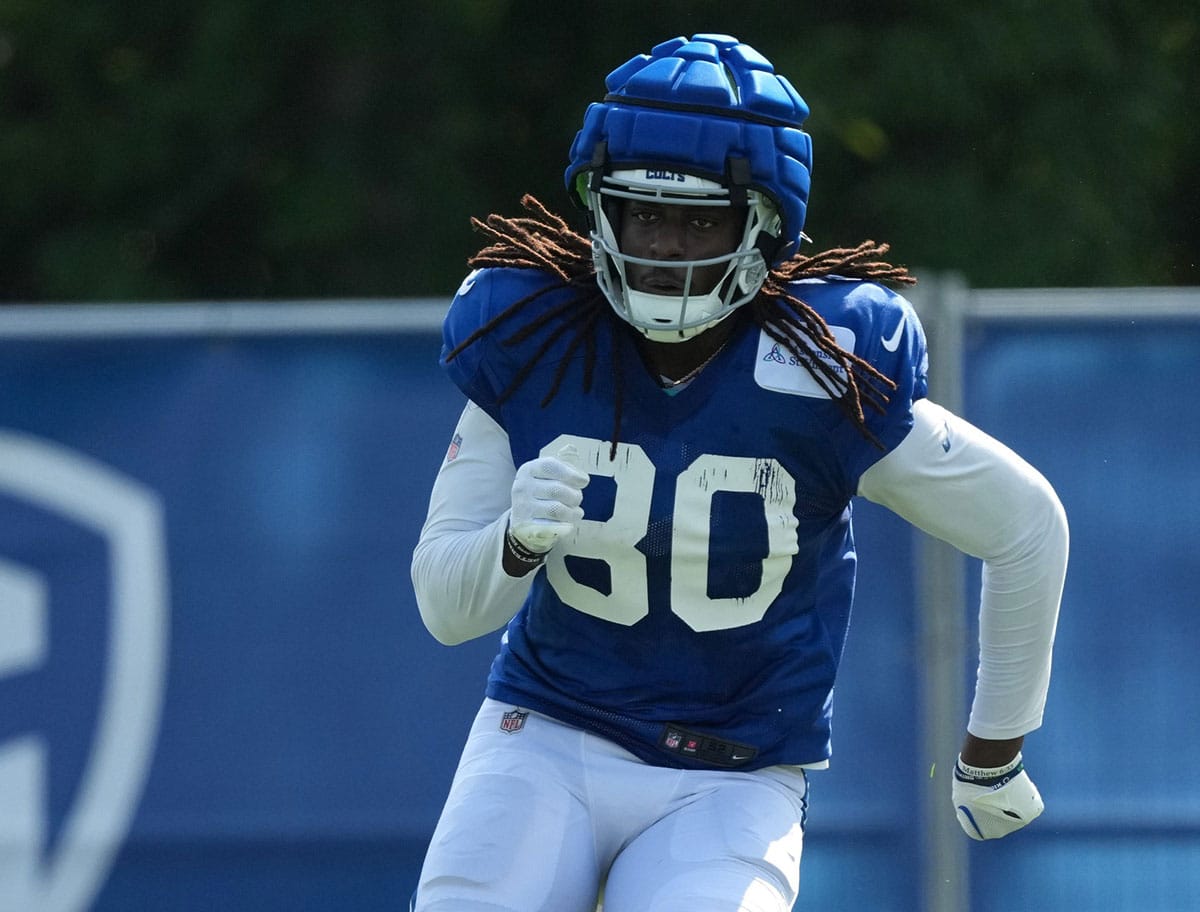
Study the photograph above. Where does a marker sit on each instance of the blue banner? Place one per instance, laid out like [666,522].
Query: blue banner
[214,687]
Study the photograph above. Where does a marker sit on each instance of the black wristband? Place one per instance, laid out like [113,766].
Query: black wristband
[520,552]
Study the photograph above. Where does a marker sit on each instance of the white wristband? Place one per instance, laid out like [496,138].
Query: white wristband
[981,772]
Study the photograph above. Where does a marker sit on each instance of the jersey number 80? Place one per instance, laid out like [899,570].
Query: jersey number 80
[613,540]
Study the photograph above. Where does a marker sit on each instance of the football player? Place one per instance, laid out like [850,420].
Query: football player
[650,491]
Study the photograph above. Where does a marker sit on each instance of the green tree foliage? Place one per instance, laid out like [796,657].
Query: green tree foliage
[261,149]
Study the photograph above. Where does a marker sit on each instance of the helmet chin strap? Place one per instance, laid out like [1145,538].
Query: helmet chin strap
[645,301]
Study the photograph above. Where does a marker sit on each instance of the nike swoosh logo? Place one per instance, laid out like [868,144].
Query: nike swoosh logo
[893,343]
[468,282]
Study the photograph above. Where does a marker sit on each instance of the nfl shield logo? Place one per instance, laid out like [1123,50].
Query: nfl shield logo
[513,721]
[455,446]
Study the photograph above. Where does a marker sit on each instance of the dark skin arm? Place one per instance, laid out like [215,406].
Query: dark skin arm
[989,754]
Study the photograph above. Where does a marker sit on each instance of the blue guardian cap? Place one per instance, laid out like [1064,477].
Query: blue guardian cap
[713,109]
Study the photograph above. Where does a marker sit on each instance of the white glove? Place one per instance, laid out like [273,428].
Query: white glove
[991,803]
[546,498]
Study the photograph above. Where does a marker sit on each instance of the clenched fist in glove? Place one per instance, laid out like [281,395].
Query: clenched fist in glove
[991,803]
[546,498]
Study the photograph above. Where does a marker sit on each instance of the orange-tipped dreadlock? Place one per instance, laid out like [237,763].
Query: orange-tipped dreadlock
[544,241]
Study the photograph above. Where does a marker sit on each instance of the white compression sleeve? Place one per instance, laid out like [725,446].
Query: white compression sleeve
[955,482]
[460,584]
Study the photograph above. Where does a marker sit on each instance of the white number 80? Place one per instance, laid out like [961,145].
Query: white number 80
[613,540]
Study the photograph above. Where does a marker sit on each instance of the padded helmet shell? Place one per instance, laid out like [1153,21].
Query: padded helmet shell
[709,106]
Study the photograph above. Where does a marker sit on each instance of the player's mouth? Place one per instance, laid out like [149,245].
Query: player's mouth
[660,281]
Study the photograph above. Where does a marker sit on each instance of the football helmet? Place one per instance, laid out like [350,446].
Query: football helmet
[700,121]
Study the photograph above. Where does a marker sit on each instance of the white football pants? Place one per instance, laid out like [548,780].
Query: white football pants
[542,814]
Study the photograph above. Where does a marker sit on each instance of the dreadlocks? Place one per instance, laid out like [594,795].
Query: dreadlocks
[543,240]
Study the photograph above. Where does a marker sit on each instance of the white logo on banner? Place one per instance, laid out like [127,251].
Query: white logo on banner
[128,517]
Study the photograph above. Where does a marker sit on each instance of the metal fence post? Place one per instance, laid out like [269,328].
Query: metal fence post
[941,600]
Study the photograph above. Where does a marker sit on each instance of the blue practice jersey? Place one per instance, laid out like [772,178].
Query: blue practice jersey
[697,615]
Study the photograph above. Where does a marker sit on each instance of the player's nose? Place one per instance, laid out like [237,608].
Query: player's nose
[668,241]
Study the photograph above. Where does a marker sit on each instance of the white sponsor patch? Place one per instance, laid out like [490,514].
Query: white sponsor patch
[778,370]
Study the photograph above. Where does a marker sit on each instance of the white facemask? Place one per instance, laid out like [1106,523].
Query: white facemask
[676,317]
